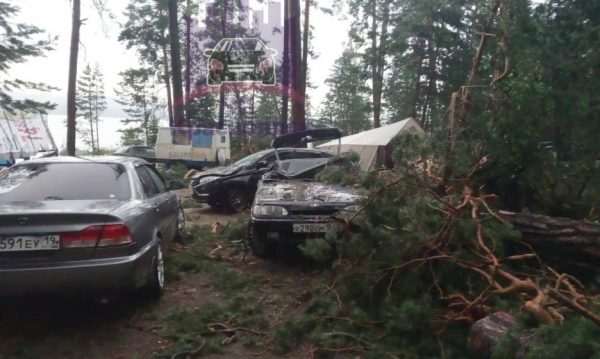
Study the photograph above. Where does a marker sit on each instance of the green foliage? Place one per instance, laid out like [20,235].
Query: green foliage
[138,93]
[91,102]
[576,338]
[20,42]
[347,103]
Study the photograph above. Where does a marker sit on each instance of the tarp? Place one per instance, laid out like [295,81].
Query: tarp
[366,143]
[23,135]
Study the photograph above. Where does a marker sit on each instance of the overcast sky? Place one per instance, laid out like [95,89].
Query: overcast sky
[99,45]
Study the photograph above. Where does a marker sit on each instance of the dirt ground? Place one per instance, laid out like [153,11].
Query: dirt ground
[126,326]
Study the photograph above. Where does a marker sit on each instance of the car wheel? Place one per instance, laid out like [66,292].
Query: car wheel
[156,283]
[180,223]
[237,200]
[261,247]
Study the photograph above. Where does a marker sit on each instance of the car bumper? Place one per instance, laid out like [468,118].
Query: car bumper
[120,273]
[282,230]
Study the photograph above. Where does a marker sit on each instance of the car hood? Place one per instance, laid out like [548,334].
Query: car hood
[62,206]
[303,191]
[219,171]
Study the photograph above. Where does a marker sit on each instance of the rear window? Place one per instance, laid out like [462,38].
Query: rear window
[64,181]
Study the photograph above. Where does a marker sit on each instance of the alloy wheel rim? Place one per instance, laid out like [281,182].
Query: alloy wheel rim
[181,221]
[160,268]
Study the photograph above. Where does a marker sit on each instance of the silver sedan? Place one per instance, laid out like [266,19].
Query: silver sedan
[85,223]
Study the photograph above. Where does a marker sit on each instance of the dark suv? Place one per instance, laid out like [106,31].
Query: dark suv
[233,187]
[241,60]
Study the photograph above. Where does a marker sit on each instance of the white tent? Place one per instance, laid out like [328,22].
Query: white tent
[368,144]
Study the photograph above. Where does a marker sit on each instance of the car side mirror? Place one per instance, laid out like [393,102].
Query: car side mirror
[176,185]
[262,164]
[208,52]
[272,52]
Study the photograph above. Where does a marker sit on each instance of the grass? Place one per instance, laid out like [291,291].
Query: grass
[234,303]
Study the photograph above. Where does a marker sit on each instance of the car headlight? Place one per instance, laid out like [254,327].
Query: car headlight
[347,212]
[269,211]
[207,179]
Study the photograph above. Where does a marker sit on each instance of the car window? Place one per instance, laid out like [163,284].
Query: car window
[150,189]
[64,181]
[290,155]
[250,159]
[243,45]
[157,179]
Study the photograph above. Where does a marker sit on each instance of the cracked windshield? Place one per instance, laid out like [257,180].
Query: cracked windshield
[398,179]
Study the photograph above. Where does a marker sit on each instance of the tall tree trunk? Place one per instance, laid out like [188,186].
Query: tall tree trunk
[305,37]
[167,79]
[167,76]
[179,101]
[285,82]
[221,93]
[241,120]
[96,119]
[91,112]
[72,87]
[378,58]
[432,74]
[419,52]
[298,119]
[188,56]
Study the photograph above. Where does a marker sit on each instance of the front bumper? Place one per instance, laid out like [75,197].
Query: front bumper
[120,273]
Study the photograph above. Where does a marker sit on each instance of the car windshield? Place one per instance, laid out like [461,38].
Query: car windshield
[246,45]
[300,165]
[251,158]
[64,181]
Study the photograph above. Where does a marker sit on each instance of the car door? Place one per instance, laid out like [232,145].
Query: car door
[153,201]
[168,203]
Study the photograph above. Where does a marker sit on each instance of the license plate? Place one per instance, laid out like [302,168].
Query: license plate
[29,243]
[311,227]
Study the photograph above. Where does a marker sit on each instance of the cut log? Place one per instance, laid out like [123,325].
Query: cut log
[486,333]
[562,241]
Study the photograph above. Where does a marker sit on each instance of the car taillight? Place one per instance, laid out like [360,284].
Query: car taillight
[104,236]
[216,64]
[115,235]
[266,64]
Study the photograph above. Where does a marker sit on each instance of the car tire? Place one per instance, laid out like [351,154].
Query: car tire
[237,200]
[260,246]
[180,223]
[155,286]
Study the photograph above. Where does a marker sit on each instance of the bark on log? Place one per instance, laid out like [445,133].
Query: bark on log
[486,333]
[568,241]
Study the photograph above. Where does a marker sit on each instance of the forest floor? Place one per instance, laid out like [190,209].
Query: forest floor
[218,298]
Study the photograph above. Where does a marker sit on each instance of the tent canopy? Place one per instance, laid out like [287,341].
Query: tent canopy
[367,143]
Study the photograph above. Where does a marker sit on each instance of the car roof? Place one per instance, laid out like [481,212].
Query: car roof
[86,159]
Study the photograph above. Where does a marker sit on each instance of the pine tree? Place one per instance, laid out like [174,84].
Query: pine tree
[18,43]
[100,104]
[347,102]
[85,108]
[137,93]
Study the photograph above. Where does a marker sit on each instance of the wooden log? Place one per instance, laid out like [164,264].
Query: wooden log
[563,241]
[486,333]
